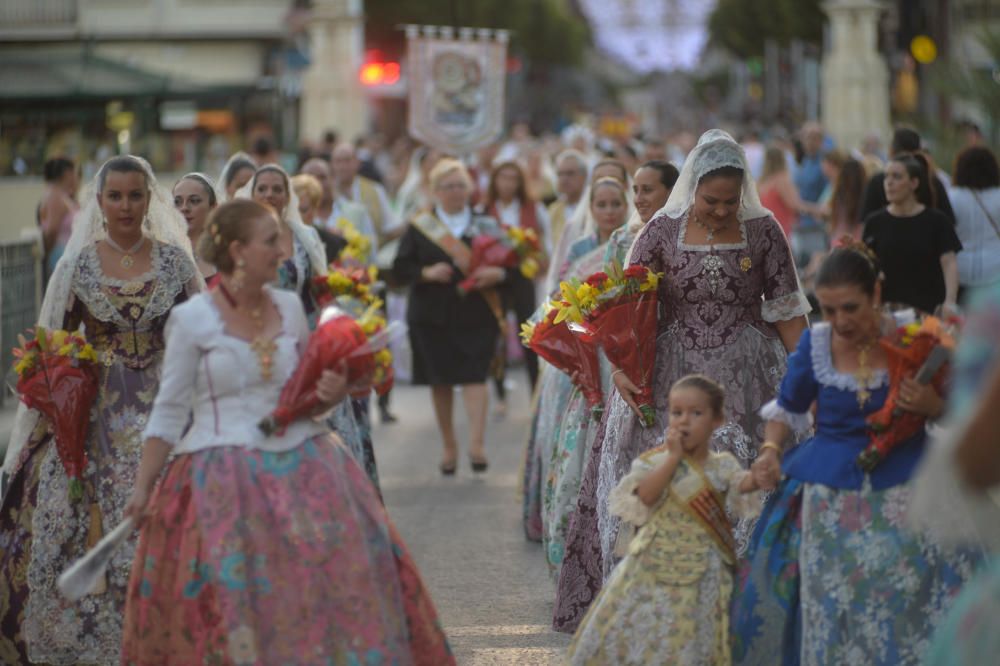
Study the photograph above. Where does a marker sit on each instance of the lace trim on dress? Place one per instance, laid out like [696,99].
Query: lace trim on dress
[785,307]
[826,374]
[799,423]
[683,245]
[170,268]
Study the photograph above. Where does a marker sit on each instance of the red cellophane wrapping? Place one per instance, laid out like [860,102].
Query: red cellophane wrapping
[570,353]
[64,390]
[891,425]
[338,338]
[625,327]
[488,251]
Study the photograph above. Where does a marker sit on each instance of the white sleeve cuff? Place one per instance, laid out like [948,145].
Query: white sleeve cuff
[799,423]
[785,307]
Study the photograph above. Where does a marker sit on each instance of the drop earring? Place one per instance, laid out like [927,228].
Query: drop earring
[239,275]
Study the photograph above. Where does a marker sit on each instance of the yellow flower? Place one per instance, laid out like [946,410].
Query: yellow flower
[59,339]
[587,296]
[88,353]
[66,350]
[527,330]
[529,268]
[383,357]
[651,283]
[23,365]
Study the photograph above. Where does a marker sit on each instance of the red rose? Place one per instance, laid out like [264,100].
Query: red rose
[635,272]
[597,279]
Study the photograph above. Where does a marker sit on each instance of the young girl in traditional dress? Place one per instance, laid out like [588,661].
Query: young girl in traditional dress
[668,600]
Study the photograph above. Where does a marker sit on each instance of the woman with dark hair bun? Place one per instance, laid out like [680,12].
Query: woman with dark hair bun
[975,197]
[830,528]
[915,243]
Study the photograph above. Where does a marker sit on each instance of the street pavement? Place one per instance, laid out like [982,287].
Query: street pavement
[491,587]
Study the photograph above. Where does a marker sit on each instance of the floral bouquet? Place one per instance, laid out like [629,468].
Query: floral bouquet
[920,349]
[619,309]
[529,249]
[549,336]
[488,251]
[339,339]
[57,375]
[348,279]
[359,246]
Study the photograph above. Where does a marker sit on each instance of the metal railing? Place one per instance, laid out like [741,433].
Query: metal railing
[33,13]
[20,298]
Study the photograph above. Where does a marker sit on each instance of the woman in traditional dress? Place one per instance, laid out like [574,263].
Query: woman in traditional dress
[730,308]
[305,257]
[236,173]
[257,549]
[453,337]
[832,574]
[194,198]
[573,422]
[127,264]
[548,403]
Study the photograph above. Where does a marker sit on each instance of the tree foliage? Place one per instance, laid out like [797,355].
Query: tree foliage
[977,85]
[545,32]
[744,26]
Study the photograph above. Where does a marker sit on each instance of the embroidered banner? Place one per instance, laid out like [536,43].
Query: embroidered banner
[456,86]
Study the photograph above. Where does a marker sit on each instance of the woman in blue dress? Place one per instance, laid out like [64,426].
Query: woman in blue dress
[831,573]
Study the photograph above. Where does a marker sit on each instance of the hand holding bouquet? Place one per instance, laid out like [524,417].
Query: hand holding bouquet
[338,342]
[57,375]
[549,336]
[487,251]
[920,350]
[620,310]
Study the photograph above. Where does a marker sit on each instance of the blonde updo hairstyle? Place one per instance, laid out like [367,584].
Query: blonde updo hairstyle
[307,187]
[446,167]
[227,223]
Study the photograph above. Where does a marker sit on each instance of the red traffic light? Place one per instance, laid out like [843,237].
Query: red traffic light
[379,73]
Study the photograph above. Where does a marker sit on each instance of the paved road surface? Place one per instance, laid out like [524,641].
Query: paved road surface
[491,587]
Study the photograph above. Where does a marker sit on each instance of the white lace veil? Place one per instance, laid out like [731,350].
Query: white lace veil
[238,159]
[715,149]
[162,223]
[306,235]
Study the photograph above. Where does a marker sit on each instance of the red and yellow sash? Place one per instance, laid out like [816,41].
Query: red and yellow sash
[696,495]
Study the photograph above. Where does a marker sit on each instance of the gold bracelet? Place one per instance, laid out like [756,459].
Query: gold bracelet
[774,446]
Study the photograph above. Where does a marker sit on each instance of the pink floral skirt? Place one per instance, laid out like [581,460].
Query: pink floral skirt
[252,557]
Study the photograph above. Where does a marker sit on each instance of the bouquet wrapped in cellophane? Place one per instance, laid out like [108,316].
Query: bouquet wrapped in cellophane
[357,344]
[619,309]
[57,375]
[921,350]
[548,335]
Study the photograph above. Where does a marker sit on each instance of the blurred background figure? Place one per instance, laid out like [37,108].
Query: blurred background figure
[975,198]
[56,210]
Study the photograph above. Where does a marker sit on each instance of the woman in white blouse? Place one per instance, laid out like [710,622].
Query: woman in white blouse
[253,548]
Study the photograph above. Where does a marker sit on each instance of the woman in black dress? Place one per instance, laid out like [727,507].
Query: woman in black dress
[453,337]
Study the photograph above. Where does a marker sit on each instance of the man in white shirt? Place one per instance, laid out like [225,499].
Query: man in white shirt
[571,175]
[349,185]
[331,207]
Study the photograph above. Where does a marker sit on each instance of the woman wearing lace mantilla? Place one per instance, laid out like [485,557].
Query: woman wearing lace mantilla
[305,257]
[832,575]
[254,548]
[730,308]
[127,264]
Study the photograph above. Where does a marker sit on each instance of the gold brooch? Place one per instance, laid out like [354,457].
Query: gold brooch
[746,264]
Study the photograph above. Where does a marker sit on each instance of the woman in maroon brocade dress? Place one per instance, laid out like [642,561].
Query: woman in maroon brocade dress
[730,308]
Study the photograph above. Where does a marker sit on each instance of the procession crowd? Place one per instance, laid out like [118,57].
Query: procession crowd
[745,514]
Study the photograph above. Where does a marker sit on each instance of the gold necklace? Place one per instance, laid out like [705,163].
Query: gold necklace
[863,375]
[126,261]
[261,346]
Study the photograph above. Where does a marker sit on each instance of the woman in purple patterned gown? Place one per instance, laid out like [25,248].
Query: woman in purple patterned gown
[730,308]
[126,265]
